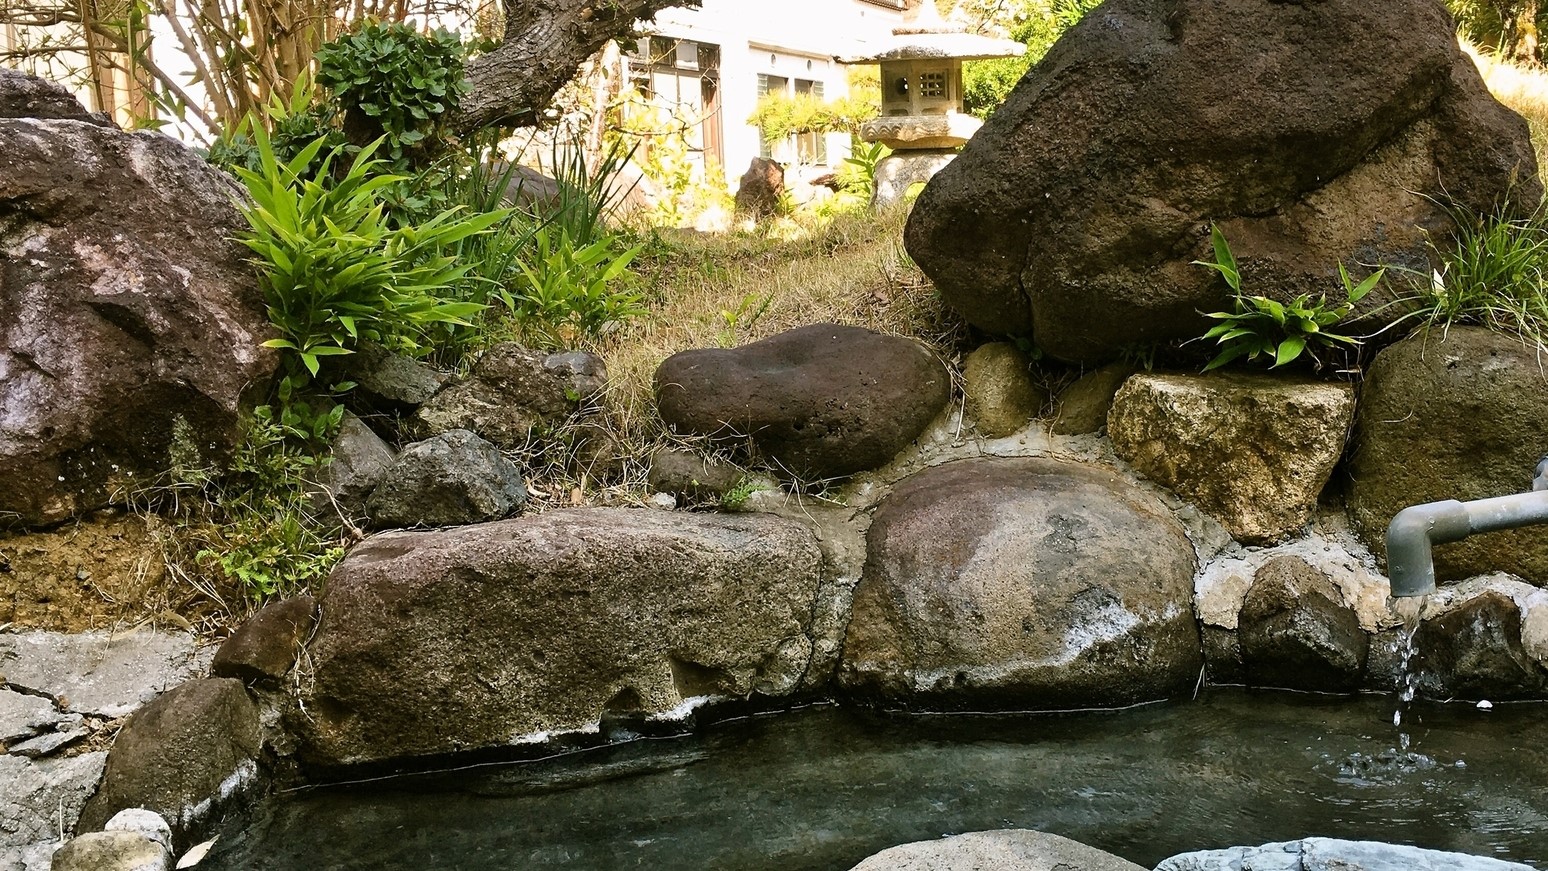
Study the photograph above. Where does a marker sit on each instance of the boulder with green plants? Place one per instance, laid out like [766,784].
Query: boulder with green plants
[1331,142]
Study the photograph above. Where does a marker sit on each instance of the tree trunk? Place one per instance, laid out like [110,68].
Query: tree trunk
[546,41]
[1518,30]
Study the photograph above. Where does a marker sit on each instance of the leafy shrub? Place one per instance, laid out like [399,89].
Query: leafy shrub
[1258,326]
[781,115]
[390,80]
[265,537]
[570,289]
[332,269]
[858,174]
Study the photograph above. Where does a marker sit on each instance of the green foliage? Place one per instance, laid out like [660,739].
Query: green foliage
[736,498]
[1261,327]
[781,115]
[858,174]
[291,126]
[390,80]
[334,271]
[571,289]
[267,538]
[1036,23]
[1492,274]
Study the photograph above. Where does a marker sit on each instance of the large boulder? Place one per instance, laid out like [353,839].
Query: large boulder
[821,401]
[1024,583]
[1252,451]
[1004,850]
[1312,133]
[130,319]
[182,756]
[1454,416]
[486,636]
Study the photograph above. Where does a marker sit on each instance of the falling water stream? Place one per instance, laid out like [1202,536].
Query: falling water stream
[822,788]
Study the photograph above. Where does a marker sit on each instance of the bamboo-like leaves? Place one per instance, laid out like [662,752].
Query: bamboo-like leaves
[1258,326]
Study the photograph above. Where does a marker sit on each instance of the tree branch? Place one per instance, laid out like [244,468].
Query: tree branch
[546,41]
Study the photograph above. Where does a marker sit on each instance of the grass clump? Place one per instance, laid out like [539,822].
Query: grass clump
[1492,274]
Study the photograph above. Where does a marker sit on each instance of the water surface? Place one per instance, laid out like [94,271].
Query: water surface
[823,788]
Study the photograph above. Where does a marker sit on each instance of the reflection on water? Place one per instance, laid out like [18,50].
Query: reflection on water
[823,788]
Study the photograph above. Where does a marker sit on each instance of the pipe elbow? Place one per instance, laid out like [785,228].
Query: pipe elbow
[1409,537]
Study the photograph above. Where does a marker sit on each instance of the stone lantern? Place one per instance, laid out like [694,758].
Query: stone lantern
[922,119]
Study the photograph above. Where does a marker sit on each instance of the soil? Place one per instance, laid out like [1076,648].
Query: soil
[103,571]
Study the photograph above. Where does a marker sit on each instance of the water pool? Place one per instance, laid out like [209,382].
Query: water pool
[822,788]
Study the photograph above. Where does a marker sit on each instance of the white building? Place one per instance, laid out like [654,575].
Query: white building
[715,62]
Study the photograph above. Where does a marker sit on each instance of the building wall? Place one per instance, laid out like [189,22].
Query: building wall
[792,40]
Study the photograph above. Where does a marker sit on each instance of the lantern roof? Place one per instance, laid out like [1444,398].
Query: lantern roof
[924,35]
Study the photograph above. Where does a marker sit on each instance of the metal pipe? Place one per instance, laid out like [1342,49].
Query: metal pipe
[1415,529]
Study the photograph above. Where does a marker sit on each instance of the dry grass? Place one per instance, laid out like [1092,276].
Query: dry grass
[1524,90]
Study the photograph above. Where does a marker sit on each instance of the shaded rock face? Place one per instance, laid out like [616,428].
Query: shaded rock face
[1474,651]
[1000,394]
[1004,850]
[692,476]
[181,755]
[384,381]
[513,391]
[1459,418]
[1296,633]
[451,479]
[1028,583]
[130,322]
[1312,146]
[1253,451]
[821,401]
[486,636]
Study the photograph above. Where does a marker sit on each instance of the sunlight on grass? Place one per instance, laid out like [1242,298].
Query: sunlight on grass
[1524,90]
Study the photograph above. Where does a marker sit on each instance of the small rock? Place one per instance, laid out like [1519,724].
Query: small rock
[1252,451]
[452,479]
[388,382]
[356,463]
[692,476]
[1472,649]
[1083,406]
[147,824]
[265,647]
[998,387]
[22,716]
[1296,633]
[181,756]
[48,743]
[111,851]
[514,391]
[1329,854]
[762,189]
[37,797]
[662,501]
[98,673]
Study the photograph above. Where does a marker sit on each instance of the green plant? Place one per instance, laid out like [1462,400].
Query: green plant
[332,269]
[859,171]
[570,289]
[266,536]
[392,81]
[736,498]
[1493,273]
[1258,326]
[779,115]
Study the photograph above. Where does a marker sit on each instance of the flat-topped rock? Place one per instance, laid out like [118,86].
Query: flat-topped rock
[1004,850]
[492,635]
[108,675]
